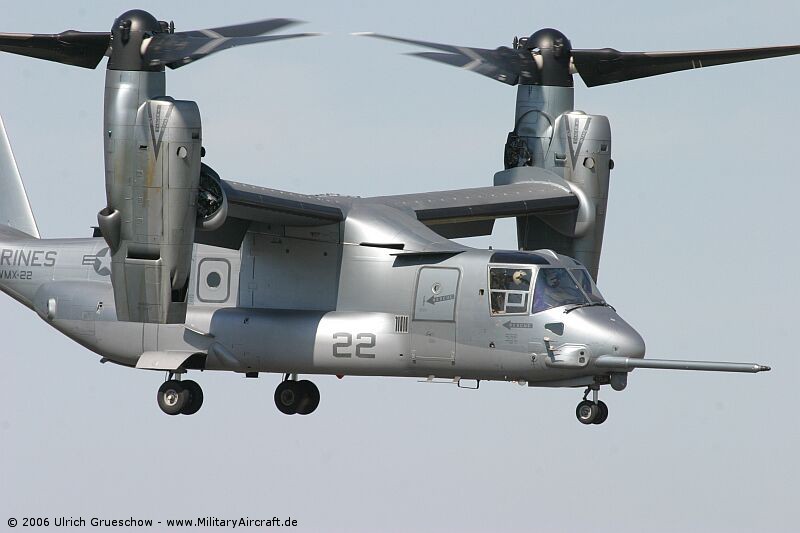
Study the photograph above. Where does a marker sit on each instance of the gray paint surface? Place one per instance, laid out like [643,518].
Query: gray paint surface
[701,420]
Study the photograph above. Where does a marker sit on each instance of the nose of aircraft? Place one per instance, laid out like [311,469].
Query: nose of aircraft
[626,341]
[607,332]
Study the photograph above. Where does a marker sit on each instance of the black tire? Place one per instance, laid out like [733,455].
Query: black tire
[288,397]
[173,397]
[310,397]
[195,397]
[586,412]
[602,413]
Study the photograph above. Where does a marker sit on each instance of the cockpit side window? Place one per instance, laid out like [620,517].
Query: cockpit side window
[554,288]
[585,281]
[509,290]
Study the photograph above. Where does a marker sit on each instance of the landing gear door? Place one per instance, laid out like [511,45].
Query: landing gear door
[433,327]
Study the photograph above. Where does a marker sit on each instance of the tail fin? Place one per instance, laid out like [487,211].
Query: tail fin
[15,209]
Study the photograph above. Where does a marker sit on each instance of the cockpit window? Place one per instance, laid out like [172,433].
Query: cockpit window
[554,288]
[509,290]
[510,279]
[585,281]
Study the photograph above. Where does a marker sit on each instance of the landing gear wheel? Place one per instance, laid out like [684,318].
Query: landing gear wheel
[310,397]
[173,397]
[587,412]
[602,413]
[195,397]
[288,397]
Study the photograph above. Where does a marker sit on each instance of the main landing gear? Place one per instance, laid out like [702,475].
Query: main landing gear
[180,397]
[296,397]
[185,397]
[594,411]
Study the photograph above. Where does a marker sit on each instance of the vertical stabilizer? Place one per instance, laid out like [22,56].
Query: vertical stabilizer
[15,209]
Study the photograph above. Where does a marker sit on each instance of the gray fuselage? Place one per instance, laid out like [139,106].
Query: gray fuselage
[284,303]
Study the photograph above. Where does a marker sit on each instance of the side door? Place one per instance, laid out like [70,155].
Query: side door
[433,325]
[510,304]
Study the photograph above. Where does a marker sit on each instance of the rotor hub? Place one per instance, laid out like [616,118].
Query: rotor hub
[549,39]
[137,20]
[128,36]
[552,52]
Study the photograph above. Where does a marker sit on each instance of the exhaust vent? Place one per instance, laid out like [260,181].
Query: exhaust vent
[401,323]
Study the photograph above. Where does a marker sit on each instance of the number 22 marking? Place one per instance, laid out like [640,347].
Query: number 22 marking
[344,341]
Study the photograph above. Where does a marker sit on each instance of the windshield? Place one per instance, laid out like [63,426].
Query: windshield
[585,281]
[554,288]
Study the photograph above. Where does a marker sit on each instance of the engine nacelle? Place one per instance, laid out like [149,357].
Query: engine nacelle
[578,149]
[152,179]
[212,202]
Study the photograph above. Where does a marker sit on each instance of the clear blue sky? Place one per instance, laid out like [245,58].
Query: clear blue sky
[699,256]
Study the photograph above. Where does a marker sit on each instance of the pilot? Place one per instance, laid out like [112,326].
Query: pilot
[520,277]
[552,291]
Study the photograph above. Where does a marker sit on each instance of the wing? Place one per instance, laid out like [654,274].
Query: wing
[280,207]
[250,203]
[472,212]
[451,214]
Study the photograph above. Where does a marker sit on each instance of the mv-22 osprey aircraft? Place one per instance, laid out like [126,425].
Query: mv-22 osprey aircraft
[188,271]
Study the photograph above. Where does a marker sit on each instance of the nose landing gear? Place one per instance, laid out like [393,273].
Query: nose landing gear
[296,397]
[594,411]
[176,397]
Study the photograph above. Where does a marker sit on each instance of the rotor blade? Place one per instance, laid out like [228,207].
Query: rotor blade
[81,49]
[502,64]
[436,46]
[177,50]
[250,29]
[606,65]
